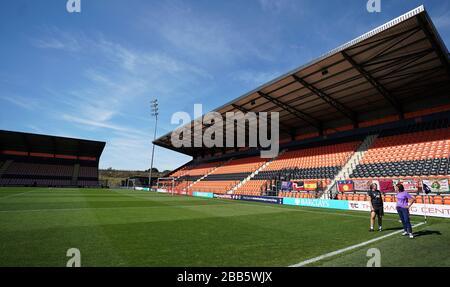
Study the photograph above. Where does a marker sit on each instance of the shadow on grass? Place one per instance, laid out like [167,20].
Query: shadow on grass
[426,232]
[393,229]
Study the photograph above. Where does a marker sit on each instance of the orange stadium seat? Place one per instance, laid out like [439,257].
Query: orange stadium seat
[428,199]
[256,187]
[242,165]
[438,200]
[447,200]
[419,199]
[213,186]
[421,153]
[329,155]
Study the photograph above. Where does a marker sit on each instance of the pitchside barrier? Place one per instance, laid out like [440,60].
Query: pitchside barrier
[434,210]
[138,188]
[203,194]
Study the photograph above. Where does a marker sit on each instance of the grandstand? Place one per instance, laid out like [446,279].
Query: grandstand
[375,108]
[40,160]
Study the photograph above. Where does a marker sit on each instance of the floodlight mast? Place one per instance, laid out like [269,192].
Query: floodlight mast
[154,107]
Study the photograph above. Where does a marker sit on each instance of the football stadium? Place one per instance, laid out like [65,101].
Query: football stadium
[373,110]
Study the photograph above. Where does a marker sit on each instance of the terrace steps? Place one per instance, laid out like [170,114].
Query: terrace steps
[5,167]
[75,174]
[256,172]
[206,175]
[351,164]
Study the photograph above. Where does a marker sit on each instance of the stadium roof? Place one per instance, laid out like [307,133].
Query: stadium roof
[401,66]
[27,142]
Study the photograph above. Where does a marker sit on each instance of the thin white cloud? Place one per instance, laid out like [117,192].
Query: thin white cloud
[121,77]
[442,21]
[103,125]
[49,44]
[204,37]
[125,76]
[55,38]
[107,91]
[22,102]
[272,5]
[297,7]
[36,129]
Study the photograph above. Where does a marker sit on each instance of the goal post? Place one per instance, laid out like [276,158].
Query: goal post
[166,182]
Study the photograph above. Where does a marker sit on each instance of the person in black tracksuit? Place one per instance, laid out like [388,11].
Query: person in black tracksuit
[376,206]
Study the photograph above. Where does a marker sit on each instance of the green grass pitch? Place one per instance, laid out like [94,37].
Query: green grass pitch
[132,228]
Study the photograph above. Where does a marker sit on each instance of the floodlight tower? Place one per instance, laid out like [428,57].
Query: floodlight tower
[154,107]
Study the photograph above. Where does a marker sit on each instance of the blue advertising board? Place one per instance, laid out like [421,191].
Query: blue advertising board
[264,199]
[321,203]
[203,194]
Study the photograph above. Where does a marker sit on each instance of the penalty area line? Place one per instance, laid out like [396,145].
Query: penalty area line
[16,194]
[340,251]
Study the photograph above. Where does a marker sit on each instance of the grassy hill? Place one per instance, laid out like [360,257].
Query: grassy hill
[115,177]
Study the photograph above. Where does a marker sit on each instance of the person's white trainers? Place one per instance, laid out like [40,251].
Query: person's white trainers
[411,236]
[404,233]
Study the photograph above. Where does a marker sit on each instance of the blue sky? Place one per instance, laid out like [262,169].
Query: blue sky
[91,75]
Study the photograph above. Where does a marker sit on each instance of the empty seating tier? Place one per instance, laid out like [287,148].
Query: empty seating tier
[438,167]
[296,173]
[423,145]
[241,165]
[196,169]
[48,173]
[313,163]
[26,169]
[316,157]
[422,153]
[88,171]
[253,187]
[227,176]
[214,186]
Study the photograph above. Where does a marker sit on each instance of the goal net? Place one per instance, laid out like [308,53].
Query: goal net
[166,183]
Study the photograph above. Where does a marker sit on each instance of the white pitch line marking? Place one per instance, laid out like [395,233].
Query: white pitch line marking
[16,194]
[105,208]
[340,251]
[300,209]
